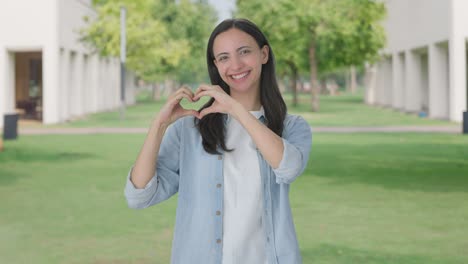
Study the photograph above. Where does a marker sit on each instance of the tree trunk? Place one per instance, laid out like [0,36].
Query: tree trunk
[347,81]
[315,89]
[170,85]
[353,80]
[156,92]
[301,86]
[293,82]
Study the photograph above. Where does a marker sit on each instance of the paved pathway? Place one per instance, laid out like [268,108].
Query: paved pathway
[121,130]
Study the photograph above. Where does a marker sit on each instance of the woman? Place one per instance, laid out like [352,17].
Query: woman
[231,162]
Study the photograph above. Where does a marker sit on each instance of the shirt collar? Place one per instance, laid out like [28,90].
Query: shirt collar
[260,115]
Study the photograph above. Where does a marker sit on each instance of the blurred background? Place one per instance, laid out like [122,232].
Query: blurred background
[383,85]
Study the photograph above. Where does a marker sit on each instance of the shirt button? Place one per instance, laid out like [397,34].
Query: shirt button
[268,239]
[218,241]
[220,157]
[218,212]
[218,185]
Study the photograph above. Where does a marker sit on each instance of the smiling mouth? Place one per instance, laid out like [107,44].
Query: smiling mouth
[240,76]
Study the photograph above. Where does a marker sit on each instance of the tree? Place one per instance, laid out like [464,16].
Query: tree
[150,50]
[361,36]
[191,21]
[341,33]
[282,34]
[164,37]
[335,33]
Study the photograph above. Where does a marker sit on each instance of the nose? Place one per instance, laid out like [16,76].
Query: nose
[236,63]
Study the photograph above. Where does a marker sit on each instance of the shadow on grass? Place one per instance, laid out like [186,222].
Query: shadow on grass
[37,155]
[408,166]
[15,157]
[8,176]
[327,253]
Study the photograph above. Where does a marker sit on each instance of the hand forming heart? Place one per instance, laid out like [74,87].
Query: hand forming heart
[172,110]
[223,102]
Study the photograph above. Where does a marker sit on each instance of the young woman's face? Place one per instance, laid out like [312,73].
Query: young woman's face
[239,60]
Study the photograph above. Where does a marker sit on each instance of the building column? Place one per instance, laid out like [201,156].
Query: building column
[457,75]
[104,84]
[7,83]
[457,61]
[398,80]
[78,84]
[380,82]
[102,87]
[388,82]
[114,83]
[438,81]
[3,82]
[412,82]
[51,84]
[72,87]
[64,95]
[109,95]
[86,85]
[94,82]
[129,87]
[370,83]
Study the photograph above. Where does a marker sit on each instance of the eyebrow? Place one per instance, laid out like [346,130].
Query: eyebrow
[225,53]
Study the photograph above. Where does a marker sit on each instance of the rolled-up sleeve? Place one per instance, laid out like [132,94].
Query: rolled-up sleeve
[138,198]
[297,141]
[165,182]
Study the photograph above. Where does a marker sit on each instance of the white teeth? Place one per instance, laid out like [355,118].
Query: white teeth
[239,76]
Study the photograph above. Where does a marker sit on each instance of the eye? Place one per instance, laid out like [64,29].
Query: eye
[222,58]
[244,51]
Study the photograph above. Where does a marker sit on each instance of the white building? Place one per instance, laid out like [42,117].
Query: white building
[45,72]
[424,65]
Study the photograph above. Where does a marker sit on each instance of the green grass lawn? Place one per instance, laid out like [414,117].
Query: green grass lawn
[343,110]
[364,198]
[349,110]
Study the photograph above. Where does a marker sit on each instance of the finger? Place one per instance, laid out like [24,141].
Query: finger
[207,111]
[186,89]
[186,92]
[182,90]
[179,97]
[204,87]
[190,113]
[203,93]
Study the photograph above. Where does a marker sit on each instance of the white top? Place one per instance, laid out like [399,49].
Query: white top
[243,234]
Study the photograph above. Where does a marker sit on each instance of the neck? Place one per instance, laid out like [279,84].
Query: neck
[251,102]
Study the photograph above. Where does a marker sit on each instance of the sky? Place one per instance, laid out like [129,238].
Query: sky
[224,8]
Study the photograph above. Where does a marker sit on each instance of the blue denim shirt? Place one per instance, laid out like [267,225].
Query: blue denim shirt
[185,167]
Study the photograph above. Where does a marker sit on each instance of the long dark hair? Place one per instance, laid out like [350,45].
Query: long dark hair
[211,127]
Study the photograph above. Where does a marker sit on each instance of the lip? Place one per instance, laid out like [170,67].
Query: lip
[239,76]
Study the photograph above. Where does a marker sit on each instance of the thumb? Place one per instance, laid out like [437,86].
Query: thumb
[207,111]
[190,113]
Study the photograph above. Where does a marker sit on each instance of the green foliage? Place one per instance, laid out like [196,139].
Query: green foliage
[280,27]
[345,32]
[354,35]
[163,36]
[191,22]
